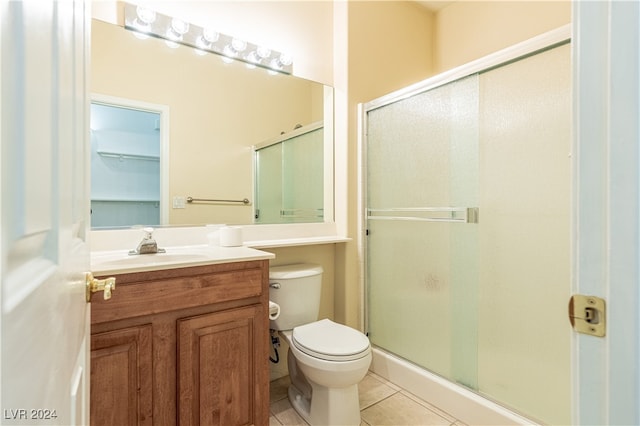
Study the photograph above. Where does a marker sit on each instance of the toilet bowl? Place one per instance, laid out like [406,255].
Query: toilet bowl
[326,360]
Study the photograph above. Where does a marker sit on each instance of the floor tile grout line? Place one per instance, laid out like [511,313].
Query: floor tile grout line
[426,404]
[452,421]
[379,401]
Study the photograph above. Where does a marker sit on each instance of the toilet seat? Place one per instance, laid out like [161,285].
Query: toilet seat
[330,341]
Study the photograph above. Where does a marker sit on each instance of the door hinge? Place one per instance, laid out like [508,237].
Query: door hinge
[588,314]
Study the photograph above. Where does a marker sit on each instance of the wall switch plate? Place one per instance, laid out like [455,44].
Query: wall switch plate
[179,202]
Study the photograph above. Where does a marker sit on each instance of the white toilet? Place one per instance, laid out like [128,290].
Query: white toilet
[326,360]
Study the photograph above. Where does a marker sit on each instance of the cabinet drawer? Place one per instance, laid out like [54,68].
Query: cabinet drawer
[148,293]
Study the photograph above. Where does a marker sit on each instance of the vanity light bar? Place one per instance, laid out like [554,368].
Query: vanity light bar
[148,22]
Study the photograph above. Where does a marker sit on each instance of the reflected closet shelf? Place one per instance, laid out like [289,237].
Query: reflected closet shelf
[122,156]
[123,200]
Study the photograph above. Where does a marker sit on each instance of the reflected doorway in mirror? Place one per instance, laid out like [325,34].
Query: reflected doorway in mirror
[127,157]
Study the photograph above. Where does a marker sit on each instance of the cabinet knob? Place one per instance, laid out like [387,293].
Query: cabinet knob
[108,285]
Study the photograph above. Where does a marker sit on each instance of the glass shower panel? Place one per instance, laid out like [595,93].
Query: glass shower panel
[289,178]
[525,195]
[303,194]
[268,183]
[422,167]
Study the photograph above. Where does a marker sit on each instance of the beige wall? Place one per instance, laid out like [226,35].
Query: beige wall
[468,30]
[390,47]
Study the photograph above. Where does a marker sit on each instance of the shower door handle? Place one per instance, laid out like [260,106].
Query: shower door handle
[426,214]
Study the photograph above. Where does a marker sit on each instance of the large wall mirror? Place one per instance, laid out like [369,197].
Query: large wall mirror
[214,117]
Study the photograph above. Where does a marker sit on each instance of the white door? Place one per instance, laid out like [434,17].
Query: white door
[44,212]
[607,212]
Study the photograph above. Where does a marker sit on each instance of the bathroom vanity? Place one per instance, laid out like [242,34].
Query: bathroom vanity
[183,345]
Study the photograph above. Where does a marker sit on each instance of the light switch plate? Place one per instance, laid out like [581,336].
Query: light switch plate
[179,202]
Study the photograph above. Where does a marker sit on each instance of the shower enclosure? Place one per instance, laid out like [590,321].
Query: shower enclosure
[467,211]
[289,177]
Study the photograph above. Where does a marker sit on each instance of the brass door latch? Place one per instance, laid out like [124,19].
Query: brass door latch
[94,285]
[587,314]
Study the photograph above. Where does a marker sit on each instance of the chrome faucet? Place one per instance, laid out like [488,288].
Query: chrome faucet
[148,245]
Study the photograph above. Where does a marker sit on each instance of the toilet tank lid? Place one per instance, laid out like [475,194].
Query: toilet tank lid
[298,270]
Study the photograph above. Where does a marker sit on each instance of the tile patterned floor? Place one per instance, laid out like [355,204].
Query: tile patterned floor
[381,403]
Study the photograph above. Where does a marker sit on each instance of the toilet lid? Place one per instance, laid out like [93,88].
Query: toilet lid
[325,339]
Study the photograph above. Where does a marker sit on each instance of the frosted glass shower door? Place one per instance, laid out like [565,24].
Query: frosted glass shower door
[289,186]
[484,303]
[302,177]
[525,254]
[422,176]
[268,186]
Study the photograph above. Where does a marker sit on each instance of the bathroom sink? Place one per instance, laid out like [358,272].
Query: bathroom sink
[119,261]
[156,258]
[114,262]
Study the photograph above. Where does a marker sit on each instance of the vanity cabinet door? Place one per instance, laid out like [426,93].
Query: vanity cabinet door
[222,370]
[121,377]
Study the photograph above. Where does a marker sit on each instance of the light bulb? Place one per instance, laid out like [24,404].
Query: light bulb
[145,15]
[263,52]
[144,18]
[229,51]
[286,59]
[275,64]
[202,43]
[238,45]
[179,26]
[253,57]
[177,30]
[210,35]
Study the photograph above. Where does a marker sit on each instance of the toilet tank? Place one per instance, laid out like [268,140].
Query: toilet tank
[296,288]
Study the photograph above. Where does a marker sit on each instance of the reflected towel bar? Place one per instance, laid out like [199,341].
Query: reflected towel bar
[302,213]
[244,201]
[470,214]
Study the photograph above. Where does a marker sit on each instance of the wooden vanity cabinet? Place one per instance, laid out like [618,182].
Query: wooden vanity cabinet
[186,346]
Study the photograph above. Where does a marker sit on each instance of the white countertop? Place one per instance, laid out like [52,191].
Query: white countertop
[111,262]
[291,242]
[190,246]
